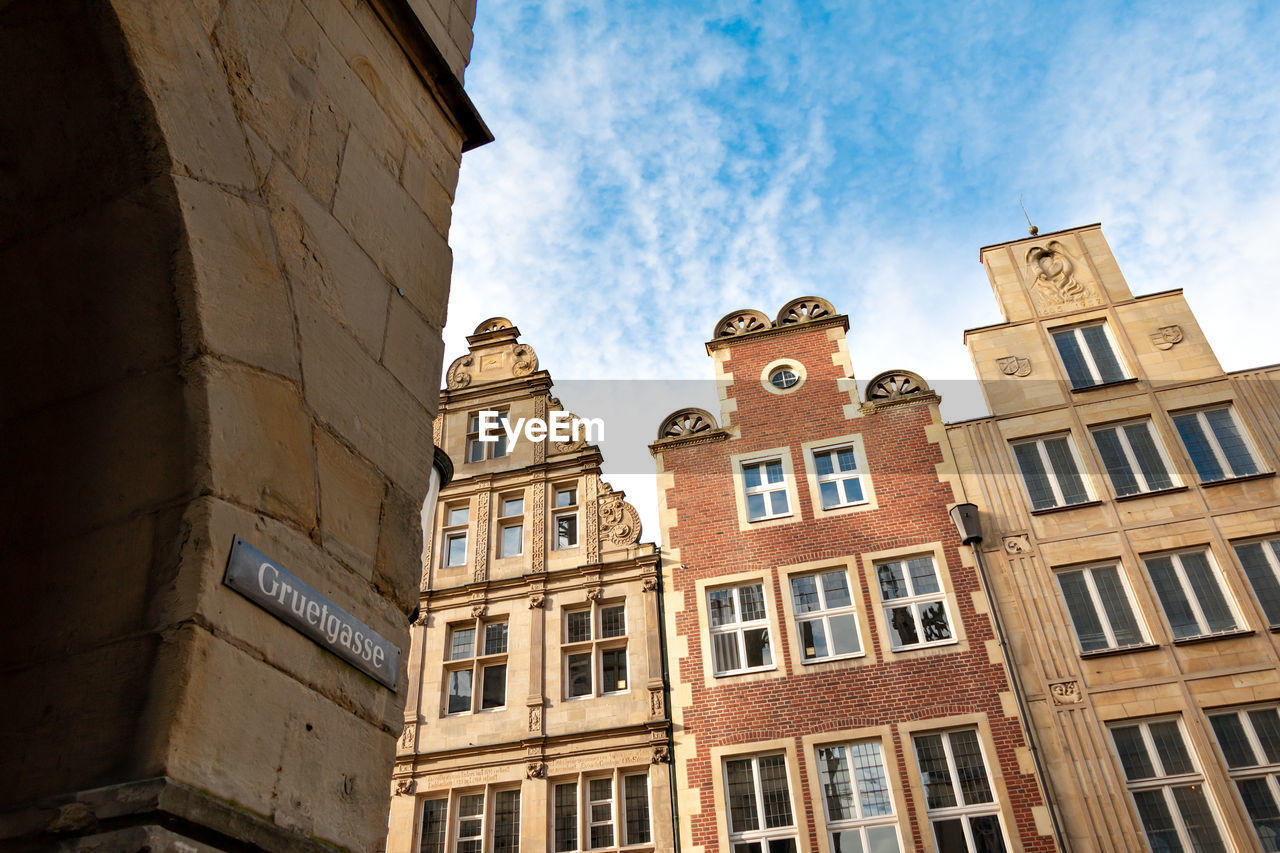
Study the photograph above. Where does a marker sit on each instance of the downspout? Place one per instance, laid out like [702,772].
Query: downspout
[666,698]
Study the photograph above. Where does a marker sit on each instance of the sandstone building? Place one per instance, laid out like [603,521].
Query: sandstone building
[1127,487]
[537,710]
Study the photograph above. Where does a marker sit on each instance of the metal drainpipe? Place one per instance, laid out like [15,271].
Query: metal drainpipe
[666,697]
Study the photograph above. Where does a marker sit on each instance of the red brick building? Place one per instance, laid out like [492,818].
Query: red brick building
[837,683]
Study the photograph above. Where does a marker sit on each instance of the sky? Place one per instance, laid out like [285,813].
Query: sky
[657,165]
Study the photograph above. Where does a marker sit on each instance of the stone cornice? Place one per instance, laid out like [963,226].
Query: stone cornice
[518,386]
[706,437]
[841,320]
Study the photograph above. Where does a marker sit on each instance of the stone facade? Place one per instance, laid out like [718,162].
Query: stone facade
[537,707]
[1132,569]
[224,297]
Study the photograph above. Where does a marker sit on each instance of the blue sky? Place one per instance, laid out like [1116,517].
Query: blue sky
[657,165]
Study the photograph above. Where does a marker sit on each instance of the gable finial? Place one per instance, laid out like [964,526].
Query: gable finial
[1031,229]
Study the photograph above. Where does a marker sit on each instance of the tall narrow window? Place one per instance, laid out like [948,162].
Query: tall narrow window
[765,486]
[739,629]
[1250,742]
[469,836]
[564,520]
[826,619]
[1050,472]
[435,826]
[915,604]
[1261,564]
[511,526]
[595,650]
[759,801]
[602,811]
[1190,591]
[1088,355]
[1133,458]
[1216,443]
[476,652]
[839,482]
[958,796]
[478,448]
[1167,786]
[506,822]
[1100,607]
[856,797]
[455,535]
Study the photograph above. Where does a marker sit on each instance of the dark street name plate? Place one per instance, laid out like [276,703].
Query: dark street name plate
[278,591]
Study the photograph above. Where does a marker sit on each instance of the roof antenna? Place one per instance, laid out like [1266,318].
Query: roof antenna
[1031,229]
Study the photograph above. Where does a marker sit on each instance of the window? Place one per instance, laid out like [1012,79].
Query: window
[1089,355]
[435,826]
[825,616]
[1190,593]
[1250,742]
[468,662]
[765,486]
[511,527]
[739,629]
[595,650]
[593,813]
[482,822]
[783,378]
[1133,458]
[455,535]
[477,449]
[855,794]
[1216,444]
[759,799]
[1050,472]
[838,480]
[564,520]
[1100,607]
[915,605]
[962,808]
[1261,564]
[1167,787]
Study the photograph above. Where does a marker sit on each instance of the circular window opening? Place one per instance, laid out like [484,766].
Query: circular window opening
[783,378]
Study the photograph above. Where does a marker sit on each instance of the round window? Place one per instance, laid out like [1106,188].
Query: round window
[783,378]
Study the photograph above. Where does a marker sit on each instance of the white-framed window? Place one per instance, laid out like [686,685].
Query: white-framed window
[1217,444]
[739,624]
[856,798]
[1100,607]
[761,819]
[764,484]
[839,480]
[511,526]
[1261,563]
[1167,786]
[915,605]
[1088,355]
[593,812]
[564,518]
[1189,587]
[826,618]
[1250,742]
[1133,457]
[784,377]
[454,549]
[595,650]
[1051,472]
[958,794]
[480,821]
[475,654]
[477,450]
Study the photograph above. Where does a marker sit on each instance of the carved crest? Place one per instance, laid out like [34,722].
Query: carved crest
[535,601]
[649,584]
[526,360]
[535,718]
[1011,365]
[619,521]
[1053,279]
[478,610]
[687,422]
[404,786]
[661,754]
[535,770]
[459,375]
[594,593]
[406,737]
[1065,692]
[655,703]
[1019,544]
[1166,336]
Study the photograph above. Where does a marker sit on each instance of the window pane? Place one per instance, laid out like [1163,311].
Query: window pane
[612,621]
[756,641]
[848,842]
[512,540]
[743,815]
[1116,604]
[464,643]
[1117,464]
[579,675]
[868,771]
[987,837]
[1198,819]
[755,507]
[1177,610]
[751,599]
[924,579]
[852,491]
[506,822]
[778,503]
[1231,441]
[1104,358]
[1266,725]
[773,471]
[1260,803]
[566,497]
[804,594]
[835,589]
[881,839]
[495,638]
[1232,740]
[844,634]
[512,506]
[566,805]
[950,836]
[475,450]
[1073,359]
[845,459]
[1261,577]
[499,447]
[457,550]
[823,463]
[636,803]
[933,622]
[969,767]
[724,652]
[720,602]
[1198,448]
[813,640]
[457,515]
[1170,748]
[1149,459]
[830,495]
[903,622]
[1084,617]
[613,666]
[459,691]
[773,787]
[566,530]
[1208,591]
[1132,750]
[433,826]
[494,686]
[932,759]
[892,583]
[837,786]
[751,475]
[1157,821]
[577,625]
[1064,467]
[600,792]
[1034,476]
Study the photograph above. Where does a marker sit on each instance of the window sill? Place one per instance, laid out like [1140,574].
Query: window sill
[1119,650]
[1169,491]
[752,671]
[769,518]
[1084,389]
[1261,475]
[920,647]
[1052,509]
[850,656]
[1221,635]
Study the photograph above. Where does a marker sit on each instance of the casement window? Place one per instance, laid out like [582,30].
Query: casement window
[1216,443]
[764,485]
[958,795]
[601,812]
[511,526]
[476,652]
[1100,607]
[1250,742]
[1261,564]
[1088,355]
[455,535]
[1051,472]
[595,650]
[839,480]
[856,798]
[478,450]
[915,606]
[1167,787]
[1189,587]
[564,519]
[826,619]
[486,821]
[1134,460]
[739,629]
[761,819]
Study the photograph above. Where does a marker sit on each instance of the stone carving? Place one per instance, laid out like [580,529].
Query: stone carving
[649,584]
[422,618]
[741,323]
[1066,692]
[894,385]
[526,361]
[661,754]
[459,376]
[539,541]
[1012,365]
[1019,544]
[592,521]
[478,610]
[594,593]
[406,737]
[655,703]
[535,601]
[404,786]
[574,444]
[493,324]
[619,521]
[535,770]
[687,422]
[535,718]
[804,309]
[482,538]
[1166,336]
[1054,285]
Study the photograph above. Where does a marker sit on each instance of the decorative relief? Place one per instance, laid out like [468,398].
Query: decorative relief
[526,361]
[1019,544]
[1066,692]
[661,754]
[404,786]
[1054,285]
[493,324]
[539,519]
[535,770]
[459,375]
[594,593]
[619,521]
[535,718]
[655,703]
[1166,336]
[741,323]
[406,737]
[482,537]
[649,584]
[540,447]
[422,617]
[535,601]
[687,422]
[894,385]
[478,610]
[573,445]
[1012,365]
[592,521]
[804,309]
[437,430]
